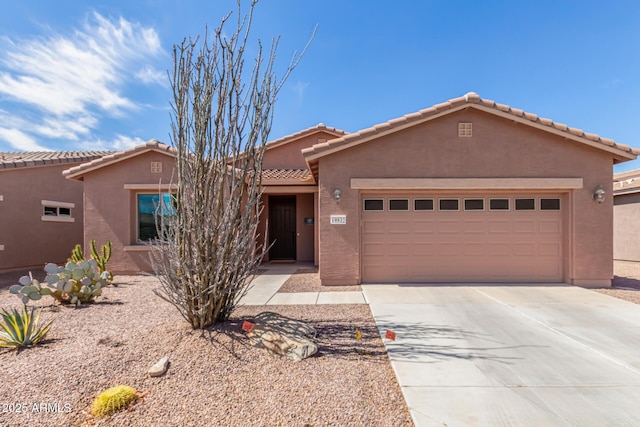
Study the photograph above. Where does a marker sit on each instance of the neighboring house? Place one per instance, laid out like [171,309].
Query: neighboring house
[626,216]
[121,194]
[41,213]
[465,191]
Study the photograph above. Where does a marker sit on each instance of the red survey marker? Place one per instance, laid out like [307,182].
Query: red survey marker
[390,335]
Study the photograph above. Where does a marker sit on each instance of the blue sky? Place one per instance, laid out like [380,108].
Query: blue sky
[82,75]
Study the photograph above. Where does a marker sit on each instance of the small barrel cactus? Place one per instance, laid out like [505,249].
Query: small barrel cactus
[113,399]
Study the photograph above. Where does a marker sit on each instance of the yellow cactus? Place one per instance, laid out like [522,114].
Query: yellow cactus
[113,400]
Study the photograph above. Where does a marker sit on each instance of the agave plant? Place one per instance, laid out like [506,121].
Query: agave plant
[21,328]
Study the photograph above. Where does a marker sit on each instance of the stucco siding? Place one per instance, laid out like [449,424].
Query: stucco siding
[289,156]
[499,148]
[27,240]
[111,210]
[626,227]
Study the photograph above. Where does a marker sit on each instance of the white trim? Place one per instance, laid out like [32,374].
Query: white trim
[484,204]
[466,183]
[508,199]
[448,198]
[372,198]
[54,204]
[158,188]
[399,198]
[57,218]
[137,248]
[433,204]
[535,204]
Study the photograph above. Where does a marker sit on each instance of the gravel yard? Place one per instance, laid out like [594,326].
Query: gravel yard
[308,280]
[214,377]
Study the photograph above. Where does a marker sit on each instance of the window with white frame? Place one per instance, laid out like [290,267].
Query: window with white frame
[150,207]
[54,211]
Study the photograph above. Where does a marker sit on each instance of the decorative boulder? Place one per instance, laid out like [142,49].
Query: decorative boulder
[160,367]
[283,336]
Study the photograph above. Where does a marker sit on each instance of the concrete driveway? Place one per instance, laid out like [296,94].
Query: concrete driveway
[512,355]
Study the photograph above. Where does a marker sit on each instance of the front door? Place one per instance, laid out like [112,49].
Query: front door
[282,227]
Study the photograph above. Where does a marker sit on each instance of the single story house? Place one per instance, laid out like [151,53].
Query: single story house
[468,190]
[41,213]
[626,217]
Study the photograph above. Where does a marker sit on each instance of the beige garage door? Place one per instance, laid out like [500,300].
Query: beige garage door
[458,238]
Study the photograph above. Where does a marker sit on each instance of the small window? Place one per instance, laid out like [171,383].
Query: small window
[525,204]
[53,211]
[549,204]
[465,130]
[449,204]
[474,204]
[373,204]
[398,204]
[50,211]
[423,205]
[499,204]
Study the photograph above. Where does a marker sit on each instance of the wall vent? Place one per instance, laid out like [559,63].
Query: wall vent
[156,167]
[465,129]
[1,247]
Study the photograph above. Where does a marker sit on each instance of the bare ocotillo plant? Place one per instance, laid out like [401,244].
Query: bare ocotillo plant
[221,119]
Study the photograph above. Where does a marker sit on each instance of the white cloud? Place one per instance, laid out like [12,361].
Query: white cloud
[120,142]
[19,140]
[70,81]
[150,75]
[300,88]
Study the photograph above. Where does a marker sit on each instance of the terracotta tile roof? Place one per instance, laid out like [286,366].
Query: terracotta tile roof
[319,127]
[472,100]
[12,160]
[286,177]
[626,182]
[77,171]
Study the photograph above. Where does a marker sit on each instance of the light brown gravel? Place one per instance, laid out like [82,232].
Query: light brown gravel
[214,377]
[626,282]
[308,280]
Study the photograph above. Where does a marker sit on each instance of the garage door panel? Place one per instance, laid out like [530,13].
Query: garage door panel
[524,227]
[462,246]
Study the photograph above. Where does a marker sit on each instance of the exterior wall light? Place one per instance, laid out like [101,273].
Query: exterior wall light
[598,195]
[337,194]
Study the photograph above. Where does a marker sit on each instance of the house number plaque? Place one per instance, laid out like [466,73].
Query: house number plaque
[338,219]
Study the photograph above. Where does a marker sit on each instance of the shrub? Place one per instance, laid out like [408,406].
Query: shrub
[112,400]
[21,328]
[75,283]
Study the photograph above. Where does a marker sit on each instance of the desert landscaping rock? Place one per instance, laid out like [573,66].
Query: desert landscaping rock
[159,368]
[283,336]
[215,376]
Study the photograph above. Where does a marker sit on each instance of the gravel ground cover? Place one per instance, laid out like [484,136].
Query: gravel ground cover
[308,280]
[625,283]
[214,376]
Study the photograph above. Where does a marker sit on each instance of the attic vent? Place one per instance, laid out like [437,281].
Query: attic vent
[156,167]
[321,140]
[465,130]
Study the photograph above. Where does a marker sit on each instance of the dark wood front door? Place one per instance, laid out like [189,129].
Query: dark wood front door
[282,227]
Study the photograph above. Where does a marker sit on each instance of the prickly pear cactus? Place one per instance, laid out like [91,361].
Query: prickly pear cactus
[74,283]
[29,289]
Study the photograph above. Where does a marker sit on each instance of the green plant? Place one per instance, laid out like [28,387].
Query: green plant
[75,283]
[113,399]
[21,328]
[103,257]
[76,254]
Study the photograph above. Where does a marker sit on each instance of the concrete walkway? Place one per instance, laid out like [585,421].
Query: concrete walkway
[512,355]
[264,290]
